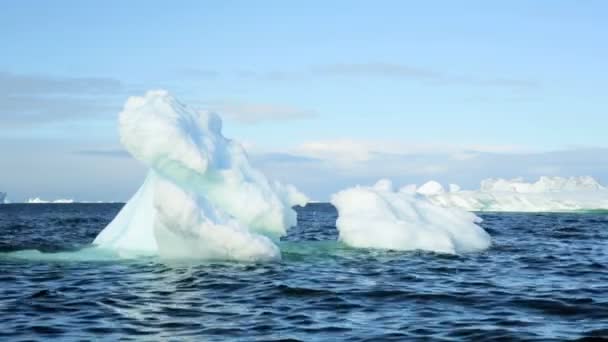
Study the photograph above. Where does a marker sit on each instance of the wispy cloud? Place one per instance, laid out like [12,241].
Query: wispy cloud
[281,157]
[351,150]
[37,110]
[27,100]
[251,113]
[198,73]
[377,70]
[21,84]
[381,70]
[113,153]
[407,72]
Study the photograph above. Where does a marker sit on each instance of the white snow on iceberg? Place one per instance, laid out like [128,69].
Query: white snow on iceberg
[430,188]
[548,194]
[379,217]
[201,199]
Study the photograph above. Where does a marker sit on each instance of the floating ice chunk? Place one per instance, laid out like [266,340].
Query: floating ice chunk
[545,195]
[378,217]
[431,188]
[2,197]
[230,207]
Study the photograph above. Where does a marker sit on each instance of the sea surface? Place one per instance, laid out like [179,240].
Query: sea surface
[544,278]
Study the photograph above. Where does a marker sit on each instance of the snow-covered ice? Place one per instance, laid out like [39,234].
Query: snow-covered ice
[548,194]
[201,199]
[380,217]
[431,188]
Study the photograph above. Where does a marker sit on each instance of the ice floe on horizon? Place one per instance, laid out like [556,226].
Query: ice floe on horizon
[38,200]
[548,194]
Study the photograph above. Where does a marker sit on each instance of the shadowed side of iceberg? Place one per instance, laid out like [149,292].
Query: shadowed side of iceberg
[130,230]
[189,226]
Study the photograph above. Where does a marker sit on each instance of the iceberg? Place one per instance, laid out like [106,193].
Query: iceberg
[2,197]
[380,217]
[548,194]
[201,198]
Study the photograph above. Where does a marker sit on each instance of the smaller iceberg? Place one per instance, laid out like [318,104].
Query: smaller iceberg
[380,217]
[548,194]
[2,197]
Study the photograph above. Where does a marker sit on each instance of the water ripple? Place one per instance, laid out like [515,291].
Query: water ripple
[543,279]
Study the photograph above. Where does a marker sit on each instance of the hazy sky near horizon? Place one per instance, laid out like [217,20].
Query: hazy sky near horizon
[324,94]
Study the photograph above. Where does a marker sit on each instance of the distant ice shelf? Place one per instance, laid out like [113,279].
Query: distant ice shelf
[38,200]
[548,194]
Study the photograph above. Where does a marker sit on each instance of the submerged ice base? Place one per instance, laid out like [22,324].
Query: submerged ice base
[201,199]
[548,194]
[379,217]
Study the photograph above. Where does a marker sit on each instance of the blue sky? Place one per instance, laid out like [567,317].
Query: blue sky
[323,94]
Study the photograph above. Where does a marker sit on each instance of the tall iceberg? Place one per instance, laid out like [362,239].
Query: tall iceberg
[380,217]
[2,197]
[201,198]
[548,194]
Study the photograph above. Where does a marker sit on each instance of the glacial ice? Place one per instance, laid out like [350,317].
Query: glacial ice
[379,217]
[2,197]
[201,198]
[548,194]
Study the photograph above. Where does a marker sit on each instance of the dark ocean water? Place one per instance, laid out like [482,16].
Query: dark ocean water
[545,278]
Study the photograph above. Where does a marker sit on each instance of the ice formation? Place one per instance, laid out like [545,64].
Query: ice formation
[38,200]
[379,217]
[2,197]
[201,199]
[548,194]
[431,188]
